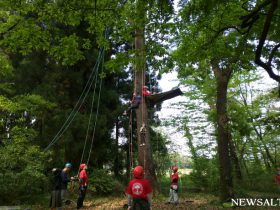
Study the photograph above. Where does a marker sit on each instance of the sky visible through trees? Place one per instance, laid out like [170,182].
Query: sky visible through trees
[174,109]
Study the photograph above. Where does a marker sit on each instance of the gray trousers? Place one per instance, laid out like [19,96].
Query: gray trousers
[173,194]
[64,196]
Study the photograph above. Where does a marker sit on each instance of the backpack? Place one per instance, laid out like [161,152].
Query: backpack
[56,179]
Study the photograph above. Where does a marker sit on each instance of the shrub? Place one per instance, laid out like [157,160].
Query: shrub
[21,168]
[103,183]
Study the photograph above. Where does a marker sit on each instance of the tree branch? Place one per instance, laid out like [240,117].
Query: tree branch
[249,19]
[9,29]
[267,66]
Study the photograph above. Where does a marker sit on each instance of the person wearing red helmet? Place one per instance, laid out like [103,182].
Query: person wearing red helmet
[173,193]
[146,92]
[139,191]
[83,179]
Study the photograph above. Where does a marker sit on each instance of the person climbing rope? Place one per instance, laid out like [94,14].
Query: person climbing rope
[64,183]
[145,90]
[134,104]
[277,177]
[173,192]
[139,191]
[83,179]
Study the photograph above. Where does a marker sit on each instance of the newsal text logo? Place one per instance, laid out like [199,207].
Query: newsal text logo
[255,202]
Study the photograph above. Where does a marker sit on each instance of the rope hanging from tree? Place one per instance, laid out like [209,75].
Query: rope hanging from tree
[91,111]
[78,104]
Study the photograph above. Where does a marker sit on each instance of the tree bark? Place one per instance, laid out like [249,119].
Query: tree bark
[222,78]
[160,97]
[143,134]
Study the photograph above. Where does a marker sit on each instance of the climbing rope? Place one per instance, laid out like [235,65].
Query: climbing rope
[91,111]
[78,104]
[97,111]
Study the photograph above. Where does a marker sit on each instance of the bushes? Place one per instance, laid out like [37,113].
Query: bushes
[205,174]
[21,168]
[103,183]
[259,180]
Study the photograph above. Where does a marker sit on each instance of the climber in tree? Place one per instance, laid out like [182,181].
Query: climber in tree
[135,102]
[145,90]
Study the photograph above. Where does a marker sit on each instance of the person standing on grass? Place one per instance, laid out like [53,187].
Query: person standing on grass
[173,192]
[139,191]
[55,202]
[83,179]
[64,182]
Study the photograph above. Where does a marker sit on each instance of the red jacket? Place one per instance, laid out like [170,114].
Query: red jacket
[174,179]
[146,93]
[139,188]
[84,177]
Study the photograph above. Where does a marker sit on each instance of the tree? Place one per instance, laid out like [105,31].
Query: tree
[261,23]
[143,133]
[210,43]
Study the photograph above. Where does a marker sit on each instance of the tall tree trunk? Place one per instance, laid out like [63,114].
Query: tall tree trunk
[222,78]
[143,133]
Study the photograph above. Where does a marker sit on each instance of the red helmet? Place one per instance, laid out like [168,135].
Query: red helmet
[175,168]
[82,166]
[145,87]
[138,172]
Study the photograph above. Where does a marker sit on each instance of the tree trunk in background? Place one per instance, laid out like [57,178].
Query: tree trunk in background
[143,133]
[116,161]
[235,159]
[222,78]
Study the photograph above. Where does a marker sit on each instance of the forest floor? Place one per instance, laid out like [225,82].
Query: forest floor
[190,201]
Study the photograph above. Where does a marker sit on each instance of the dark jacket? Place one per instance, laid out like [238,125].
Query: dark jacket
[64,180]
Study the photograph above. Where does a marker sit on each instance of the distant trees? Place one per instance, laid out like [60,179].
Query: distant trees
[214,48]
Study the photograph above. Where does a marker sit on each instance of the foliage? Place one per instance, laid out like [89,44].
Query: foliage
[22,167]
[205,174]
[103,183]
[48,50]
